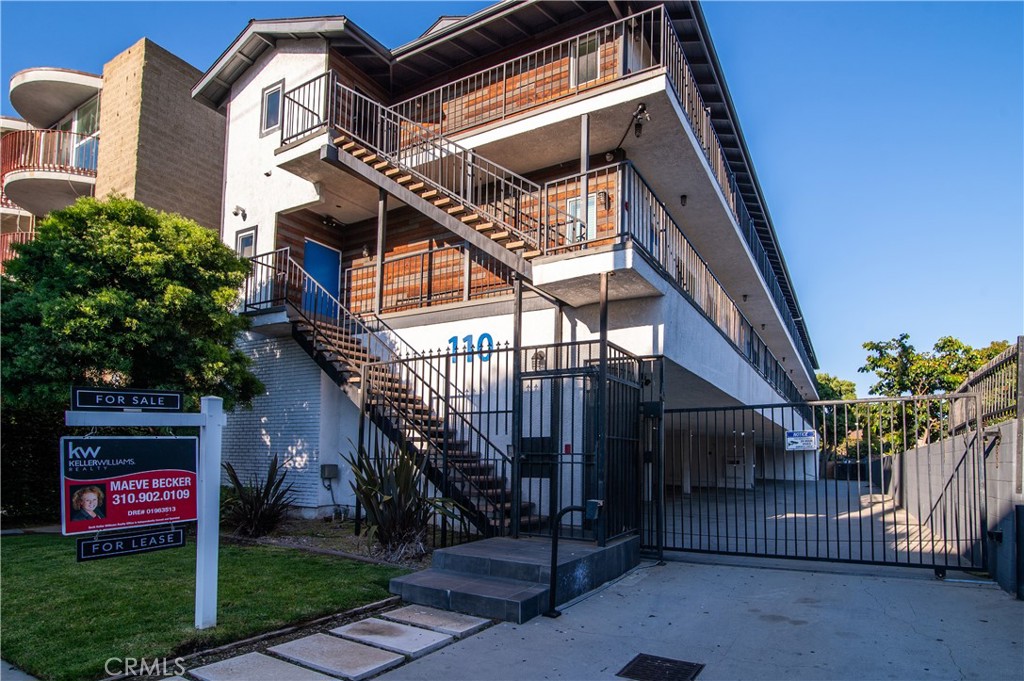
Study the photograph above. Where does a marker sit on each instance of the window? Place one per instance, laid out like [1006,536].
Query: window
[585,64]
[588,231]
[80,149]
[245,243]
[270,118]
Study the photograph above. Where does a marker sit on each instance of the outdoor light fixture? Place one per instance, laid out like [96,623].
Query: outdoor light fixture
[539,360]
[762,327]
[639,116]
[328,221]
[604,199]
[239,211]
[366,251]
[744,297]
[682,199]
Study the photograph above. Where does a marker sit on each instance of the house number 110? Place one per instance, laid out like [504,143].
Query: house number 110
[484,346]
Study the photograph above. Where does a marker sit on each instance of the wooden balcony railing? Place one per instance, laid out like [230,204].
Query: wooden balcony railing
[50,150]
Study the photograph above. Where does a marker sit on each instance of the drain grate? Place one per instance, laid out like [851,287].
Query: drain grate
[653,668]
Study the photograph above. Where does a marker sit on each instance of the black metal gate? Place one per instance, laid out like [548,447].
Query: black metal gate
[579,439]
[887,481]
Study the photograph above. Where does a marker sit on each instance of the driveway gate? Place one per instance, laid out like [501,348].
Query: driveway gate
[888,481]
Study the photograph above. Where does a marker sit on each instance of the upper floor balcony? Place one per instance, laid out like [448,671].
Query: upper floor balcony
[523,114]
[46,170]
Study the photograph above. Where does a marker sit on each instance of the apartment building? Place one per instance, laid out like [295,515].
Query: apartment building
[507,246]
[134,131]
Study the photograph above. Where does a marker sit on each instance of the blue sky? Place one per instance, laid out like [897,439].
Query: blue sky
[888,139]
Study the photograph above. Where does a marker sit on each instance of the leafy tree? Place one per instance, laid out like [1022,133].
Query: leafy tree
[112,293]
[902,370]
[834,388]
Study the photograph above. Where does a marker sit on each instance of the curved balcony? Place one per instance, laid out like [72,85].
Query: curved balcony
[44,95]
[46,170]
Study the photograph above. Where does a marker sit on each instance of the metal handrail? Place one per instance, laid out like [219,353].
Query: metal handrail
[318,306]
[51,150]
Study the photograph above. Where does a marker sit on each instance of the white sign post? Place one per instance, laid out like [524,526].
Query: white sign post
[210,422]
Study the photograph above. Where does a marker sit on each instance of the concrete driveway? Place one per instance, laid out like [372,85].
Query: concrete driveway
[764,619]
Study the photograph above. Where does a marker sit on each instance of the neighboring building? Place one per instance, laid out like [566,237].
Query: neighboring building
[393,198]
[134,131]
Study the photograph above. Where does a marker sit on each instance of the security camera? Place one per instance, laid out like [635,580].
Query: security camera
[238,211]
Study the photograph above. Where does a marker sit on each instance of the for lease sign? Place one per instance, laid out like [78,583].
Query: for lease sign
[120,482]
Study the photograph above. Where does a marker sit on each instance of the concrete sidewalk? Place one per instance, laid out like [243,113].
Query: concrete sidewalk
[769,620]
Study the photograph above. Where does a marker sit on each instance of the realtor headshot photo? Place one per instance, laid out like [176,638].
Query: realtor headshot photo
[87,503]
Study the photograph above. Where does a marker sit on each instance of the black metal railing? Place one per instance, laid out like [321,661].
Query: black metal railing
[408,396]
[999,385]
[492,191]
[625,206]
[427,278]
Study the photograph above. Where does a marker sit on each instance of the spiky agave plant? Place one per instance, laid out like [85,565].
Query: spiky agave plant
[393,492]
[259,505]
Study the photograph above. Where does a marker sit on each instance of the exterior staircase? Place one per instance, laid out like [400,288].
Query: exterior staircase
[403,403]
[495,210]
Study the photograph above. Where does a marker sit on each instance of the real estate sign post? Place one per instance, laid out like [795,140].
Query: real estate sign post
[161,482]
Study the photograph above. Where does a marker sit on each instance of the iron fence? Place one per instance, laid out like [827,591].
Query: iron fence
[869,481]
[1000,386]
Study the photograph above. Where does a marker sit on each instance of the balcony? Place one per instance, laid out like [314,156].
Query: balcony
[623,209]
[45,95]
[46,170]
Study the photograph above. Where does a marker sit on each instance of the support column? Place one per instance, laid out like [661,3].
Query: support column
[382,225]
[601,439]
[517,405]
[583,212]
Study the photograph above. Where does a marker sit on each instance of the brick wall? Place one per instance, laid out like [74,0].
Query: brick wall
[285,420]
[157,144]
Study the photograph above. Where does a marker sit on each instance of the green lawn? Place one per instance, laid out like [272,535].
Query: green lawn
[63,620]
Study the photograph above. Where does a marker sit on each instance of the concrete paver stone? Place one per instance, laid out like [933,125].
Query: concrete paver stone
[452,623]
[256,667]
[338,656]
[399,638]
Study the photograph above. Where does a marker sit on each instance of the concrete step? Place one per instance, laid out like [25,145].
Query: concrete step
[511,600]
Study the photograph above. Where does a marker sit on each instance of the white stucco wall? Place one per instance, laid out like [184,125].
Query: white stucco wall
[248,156]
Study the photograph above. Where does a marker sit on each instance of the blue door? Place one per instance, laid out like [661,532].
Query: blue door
[324,265]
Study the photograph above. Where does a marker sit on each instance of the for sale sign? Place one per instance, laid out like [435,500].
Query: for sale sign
[120,482]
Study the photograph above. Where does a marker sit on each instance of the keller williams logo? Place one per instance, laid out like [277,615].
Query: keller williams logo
[84,452]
